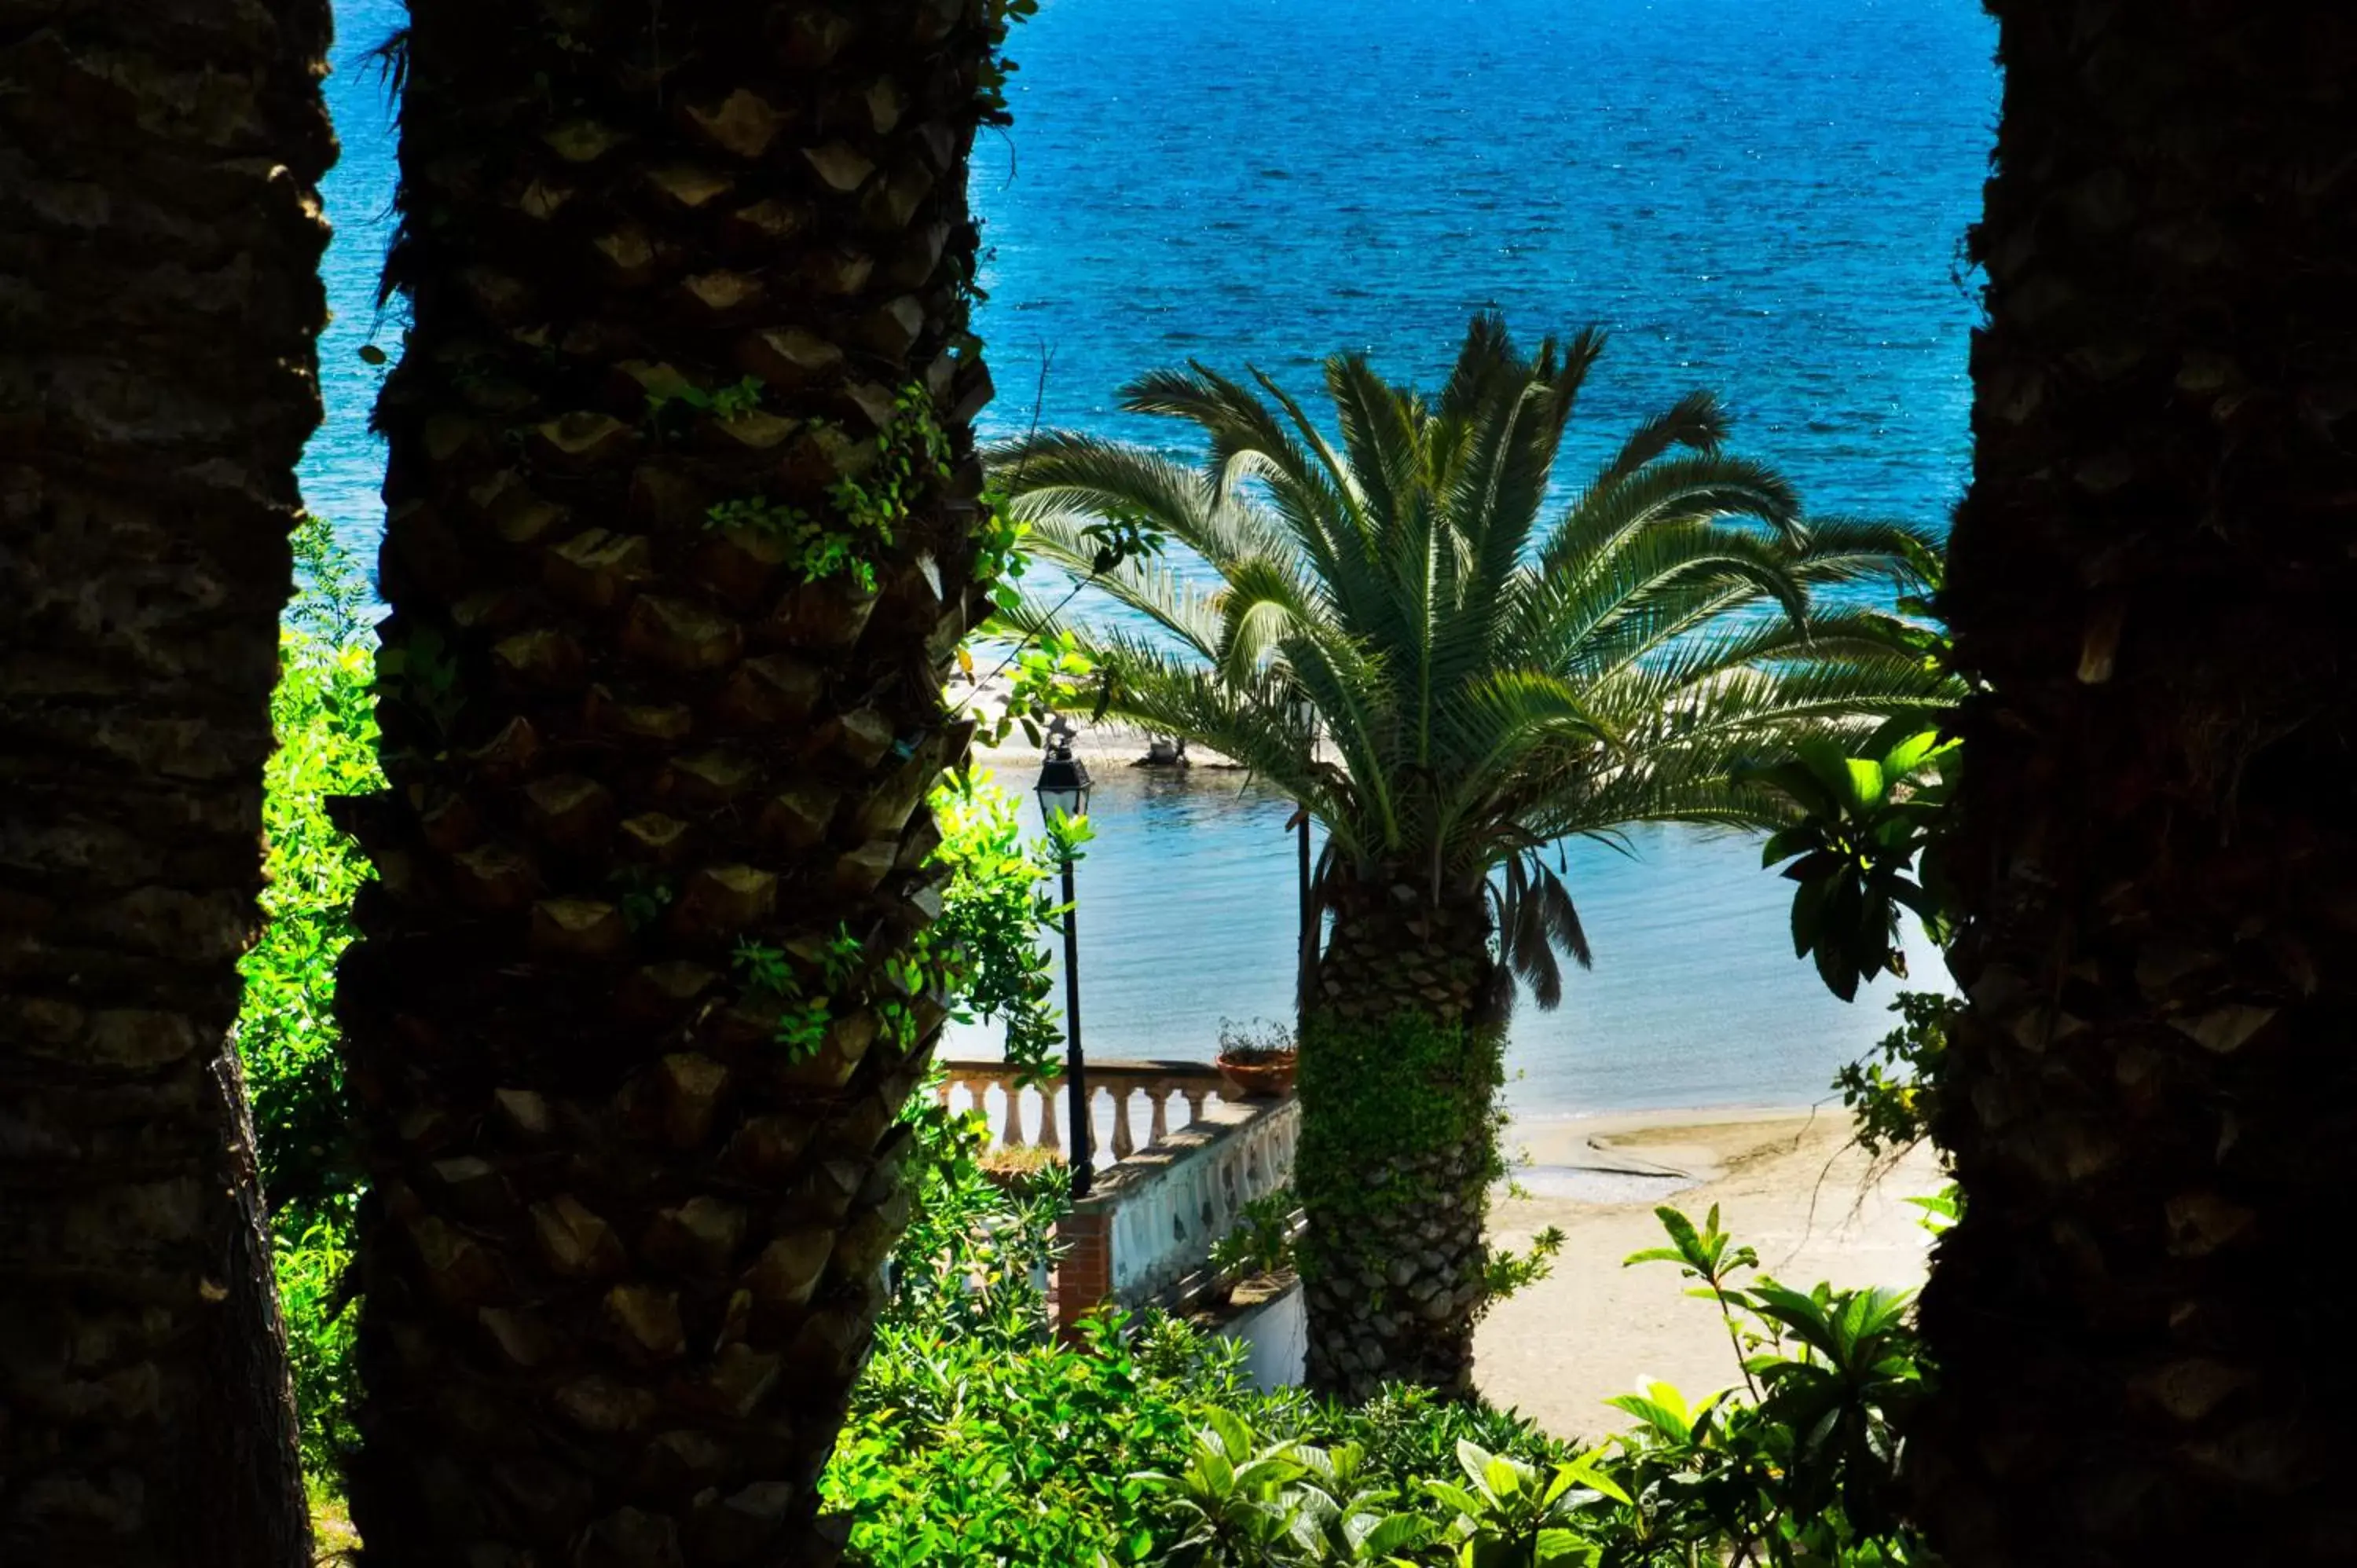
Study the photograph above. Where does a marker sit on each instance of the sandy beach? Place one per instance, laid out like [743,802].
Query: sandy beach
[1786,1184]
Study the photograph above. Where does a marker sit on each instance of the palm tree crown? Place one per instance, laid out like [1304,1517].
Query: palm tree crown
[1486,681]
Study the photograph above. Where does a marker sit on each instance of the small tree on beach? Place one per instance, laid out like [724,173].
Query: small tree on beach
[1487,685]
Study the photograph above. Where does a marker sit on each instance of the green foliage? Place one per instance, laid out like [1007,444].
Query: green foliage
[1511,1515]
[322,714]
[1486,683]
[1891,1098]
[1407,1432]
[1386,1097]
[992,911]
[910,452]
[1261,1241]
[772,981]
[332,599]
[1802,1473]
[1262,1040]
[1796,1471]
[757,514]
[970,1263]
[865,511]
[1857,849]
[1000,1446]
[1404,1086]
[314,1298]
[1942,1209]
[977,1439]
[1236,1505]
[991,79]
[285,1028]
[668,407]
[1503,1271]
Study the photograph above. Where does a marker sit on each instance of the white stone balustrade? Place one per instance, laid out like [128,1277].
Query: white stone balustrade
[1171,1094]
[1160,1204]
[1170,1202]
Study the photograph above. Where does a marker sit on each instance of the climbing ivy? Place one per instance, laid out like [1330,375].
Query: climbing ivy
[991,81]
[1379,1092]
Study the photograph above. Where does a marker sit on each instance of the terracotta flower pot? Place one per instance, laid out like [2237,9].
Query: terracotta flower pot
[1266,1078]
[1008,1176]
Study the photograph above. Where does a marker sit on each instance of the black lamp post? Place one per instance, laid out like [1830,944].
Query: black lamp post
[1064,786]
[1304,714]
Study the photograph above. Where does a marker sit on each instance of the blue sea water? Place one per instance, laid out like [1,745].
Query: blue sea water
[1764,200]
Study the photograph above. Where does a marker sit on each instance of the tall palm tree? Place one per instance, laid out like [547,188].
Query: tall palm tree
[159,241]
[2139,1326]
[683,530]
[1488,684]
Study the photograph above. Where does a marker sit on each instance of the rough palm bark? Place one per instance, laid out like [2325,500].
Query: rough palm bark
[1398,1082]
[655,827]
[2141,1326]
[159,237]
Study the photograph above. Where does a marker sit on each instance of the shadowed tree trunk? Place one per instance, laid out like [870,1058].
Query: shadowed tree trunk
[1398,1082]
[159,237]
[2142,1325]
[681,537]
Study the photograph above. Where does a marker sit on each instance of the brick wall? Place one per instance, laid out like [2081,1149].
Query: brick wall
[1084,1277]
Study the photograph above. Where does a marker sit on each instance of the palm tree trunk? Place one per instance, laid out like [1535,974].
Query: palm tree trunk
[1398,1083]
[2140,1328]
[159,237]
[628,1025]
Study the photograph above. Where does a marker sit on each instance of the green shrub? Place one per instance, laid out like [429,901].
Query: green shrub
[285,1029]
[1796,1468]
[994,1447]
[323,712]
[319,1328]
[1893,1108]
[992,908]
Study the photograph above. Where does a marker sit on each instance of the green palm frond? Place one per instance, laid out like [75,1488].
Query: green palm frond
[1485,685]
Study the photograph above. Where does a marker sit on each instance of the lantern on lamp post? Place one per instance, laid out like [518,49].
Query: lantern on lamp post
[1064,787]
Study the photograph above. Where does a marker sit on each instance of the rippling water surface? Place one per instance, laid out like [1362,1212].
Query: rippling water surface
[1766,200]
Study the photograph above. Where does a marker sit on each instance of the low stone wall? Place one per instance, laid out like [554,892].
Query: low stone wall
[1167,1204]
[1145,1233]
[1273,1327]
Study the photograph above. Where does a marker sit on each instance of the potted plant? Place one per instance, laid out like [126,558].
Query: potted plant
[1258,1061]
[1259,1246]
[1013,1170]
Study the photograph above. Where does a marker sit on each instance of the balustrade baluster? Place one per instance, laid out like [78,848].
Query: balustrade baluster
[1123,1148]
[1160,1096]
[1010,1135]
[1050,1134]
[1194,1103]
